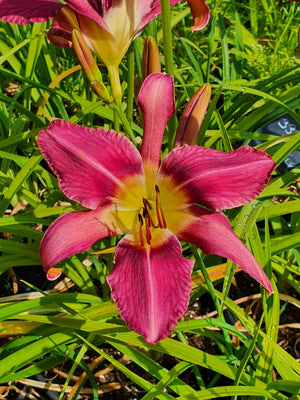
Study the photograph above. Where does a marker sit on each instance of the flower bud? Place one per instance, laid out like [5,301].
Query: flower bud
[192,117]
[150,58]
[88,64]
[100,90]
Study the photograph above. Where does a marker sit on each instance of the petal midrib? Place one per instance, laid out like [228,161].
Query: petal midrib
[151,295]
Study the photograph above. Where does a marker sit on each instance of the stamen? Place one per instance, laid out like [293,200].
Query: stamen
[141,229]
[145,216]
[147,208]
[159,212]
[144,212]
[146,204]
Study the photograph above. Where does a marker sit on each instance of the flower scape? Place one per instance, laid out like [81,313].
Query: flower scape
[154,204]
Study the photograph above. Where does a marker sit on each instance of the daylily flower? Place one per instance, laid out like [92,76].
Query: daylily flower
[108,26]
[153,203]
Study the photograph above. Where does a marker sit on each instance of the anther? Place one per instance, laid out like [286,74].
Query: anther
[146,204]
[140,219]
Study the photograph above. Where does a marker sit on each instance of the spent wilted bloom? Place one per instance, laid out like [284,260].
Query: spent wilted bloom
[153,203]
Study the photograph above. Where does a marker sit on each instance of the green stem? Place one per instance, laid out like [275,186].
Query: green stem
[167,35]
[116,90]
[168,54]
[130,83]
[172,123]
[117,108]
[210,47]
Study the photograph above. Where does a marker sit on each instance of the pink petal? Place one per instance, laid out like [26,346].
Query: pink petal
[151,285]
[91,164]
[220,180]
[200,13]
[212,233]
[73,233]
[23,12]
[156,101]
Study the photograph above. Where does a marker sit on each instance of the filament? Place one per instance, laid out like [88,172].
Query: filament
[159,212]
